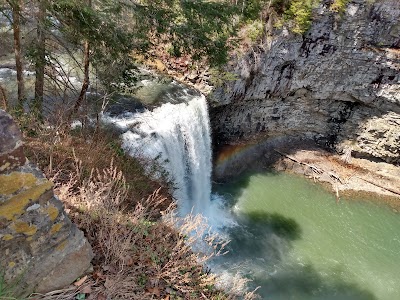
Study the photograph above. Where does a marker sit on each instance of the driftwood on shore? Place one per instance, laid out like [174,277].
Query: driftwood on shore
[312,167]
[317,170]
[334,176]
[381,186]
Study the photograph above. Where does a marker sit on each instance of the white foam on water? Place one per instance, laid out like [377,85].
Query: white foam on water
[178,137]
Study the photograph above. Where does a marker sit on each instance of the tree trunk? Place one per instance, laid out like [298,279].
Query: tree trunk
[86,65]
[85,84]
[16,12]
[40,57]
[3,98]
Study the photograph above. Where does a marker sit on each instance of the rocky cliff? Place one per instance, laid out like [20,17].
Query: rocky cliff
[337,85]
[40,249]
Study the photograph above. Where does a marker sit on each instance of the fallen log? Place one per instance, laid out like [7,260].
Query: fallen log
[394,191]
[335,176]
[312,167]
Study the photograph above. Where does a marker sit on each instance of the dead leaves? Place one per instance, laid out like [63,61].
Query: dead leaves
[87,289]
[101,296]
[108,284]
[128,261]
[80,281]
[98,275]
[98,296]
[154,291]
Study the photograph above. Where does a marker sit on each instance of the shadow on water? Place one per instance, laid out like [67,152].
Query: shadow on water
[279,225]
[262,238]
[304,282]
[236,186]
[260,235]
[260,249]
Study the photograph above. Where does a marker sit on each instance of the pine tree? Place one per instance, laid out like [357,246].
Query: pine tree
[109,31]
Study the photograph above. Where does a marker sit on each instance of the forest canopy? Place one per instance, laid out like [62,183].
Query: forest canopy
[106,36]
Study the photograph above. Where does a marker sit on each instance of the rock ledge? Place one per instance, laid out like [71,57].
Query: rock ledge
[40,249]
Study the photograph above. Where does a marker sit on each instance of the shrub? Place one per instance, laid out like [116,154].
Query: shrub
[300,14]
[255,30]
[339,5]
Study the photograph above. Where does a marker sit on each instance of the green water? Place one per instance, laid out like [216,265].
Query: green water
[296,242]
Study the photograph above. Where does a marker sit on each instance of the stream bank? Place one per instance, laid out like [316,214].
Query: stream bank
[349,177]
[329,98]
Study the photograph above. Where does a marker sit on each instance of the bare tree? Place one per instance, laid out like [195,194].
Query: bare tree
[86,65]
[40,59]
[16,6]
[85,84]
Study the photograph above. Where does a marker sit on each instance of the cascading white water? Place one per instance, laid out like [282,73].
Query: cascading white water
[285,266]
[178,137]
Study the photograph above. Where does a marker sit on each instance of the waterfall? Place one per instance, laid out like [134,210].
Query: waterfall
[177,136]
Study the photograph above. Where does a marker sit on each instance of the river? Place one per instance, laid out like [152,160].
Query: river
[296,242]
[288,235]
[291,237]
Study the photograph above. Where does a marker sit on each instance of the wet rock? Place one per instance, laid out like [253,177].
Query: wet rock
[40,249]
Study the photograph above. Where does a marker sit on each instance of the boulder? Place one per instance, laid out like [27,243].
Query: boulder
[40,248]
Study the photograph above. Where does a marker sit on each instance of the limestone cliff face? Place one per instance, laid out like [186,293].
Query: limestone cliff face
[338,84]
[40,249]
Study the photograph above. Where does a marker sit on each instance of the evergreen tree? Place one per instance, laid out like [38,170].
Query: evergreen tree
[109,31]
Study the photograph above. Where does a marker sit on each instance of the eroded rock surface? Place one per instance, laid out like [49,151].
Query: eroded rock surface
[337,85]
[40,249]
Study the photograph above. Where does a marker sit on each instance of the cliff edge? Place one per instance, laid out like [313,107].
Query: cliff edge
[337,85]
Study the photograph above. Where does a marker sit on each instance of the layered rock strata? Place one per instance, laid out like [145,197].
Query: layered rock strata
[337,85]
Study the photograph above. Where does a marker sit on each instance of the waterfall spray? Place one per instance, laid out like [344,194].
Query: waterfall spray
[177,136]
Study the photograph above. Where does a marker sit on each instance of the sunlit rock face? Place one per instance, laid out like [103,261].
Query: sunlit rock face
[337,85]
[40,249]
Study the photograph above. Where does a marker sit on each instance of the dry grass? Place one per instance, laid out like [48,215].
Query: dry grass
[55,149]
[136,258]
[142,249]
